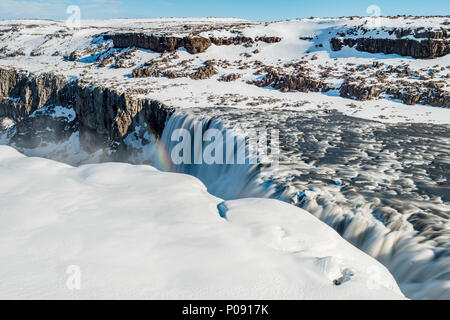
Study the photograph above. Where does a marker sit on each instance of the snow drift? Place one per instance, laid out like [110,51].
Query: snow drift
[135,232]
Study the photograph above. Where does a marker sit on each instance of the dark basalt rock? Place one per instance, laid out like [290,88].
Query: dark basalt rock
[101,111]
[359,91]
[74,56]
[420,33]
[425,49]
[159,43]
[428,93]
[193,45]
[337,44]
[433,34]
[204,72]
[196,45]
[238,40]
[230,77]
[231,40]
[285,83]
[33,131]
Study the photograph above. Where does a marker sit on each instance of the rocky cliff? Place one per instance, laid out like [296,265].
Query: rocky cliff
[103,114]
[427,93]
[288,83]
[161,43]
[419,49]
[424,92]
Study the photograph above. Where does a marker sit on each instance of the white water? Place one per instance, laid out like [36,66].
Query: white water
[420,265]
[227,181]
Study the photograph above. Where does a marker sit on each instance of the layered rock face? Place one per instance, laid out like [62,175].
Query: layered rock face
[428,93]
[159,43]
[193,45]
[102,113]
[286,83]
[424,49]
[359,91]
[22,94]
[238,40]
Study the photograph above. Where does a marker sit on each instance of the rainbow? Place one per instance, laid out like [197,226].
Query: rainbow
[161,158]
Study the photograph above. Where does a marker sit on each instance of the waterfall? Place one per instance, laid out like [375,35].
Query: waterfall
[231,179]
[420,266]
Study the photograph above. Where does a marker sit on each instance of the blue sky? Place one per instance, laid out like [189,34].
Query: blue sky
[248,9]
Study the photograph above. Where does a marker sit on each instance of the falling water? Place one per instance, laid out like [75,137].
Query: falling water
[383,187]
[227,181]
[418,258]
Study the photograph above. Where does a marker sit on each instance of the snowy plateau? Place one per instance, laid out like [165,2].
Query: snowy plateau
[93,207]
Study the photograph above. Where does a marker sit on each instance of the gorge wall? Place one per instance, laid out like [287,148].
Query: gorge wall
[106,114]
[418,49]
[193,45]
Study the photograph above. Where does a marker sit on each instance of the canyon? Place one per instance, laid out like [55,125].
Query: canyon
[362,111]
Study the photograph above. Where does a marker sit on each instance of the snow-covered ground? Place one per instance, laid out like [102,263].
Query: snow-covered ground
[40,46]
[134,232]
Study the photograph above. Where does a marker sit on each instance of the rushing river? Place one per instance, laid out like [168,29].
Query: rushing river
[383,187]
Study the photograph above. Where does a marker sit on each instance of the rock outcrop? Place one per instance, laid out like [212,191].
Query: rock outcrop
[427,93]
[360,91]
[230,77]
[238,40]
[22,94]
[32,132]
[432,34]
[159,43]
[103,112]
[204,72]
[286,82]
[424,49]
[193,45]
